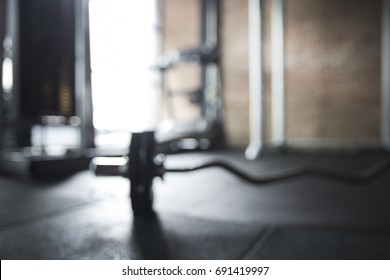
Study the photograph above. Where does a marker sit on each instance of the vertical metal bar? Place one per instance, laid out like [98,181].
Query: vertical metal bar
[159,26]
[210,22]
[2,23]
[158,32]
[211,107]
[156,76]
[90,130]
[256,100]
[385,72]
[203,35]
[82,72]
[16,130]
[277,40]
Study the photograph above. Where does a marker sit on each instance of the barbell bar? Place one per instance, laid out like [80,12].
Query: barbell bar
[141,165]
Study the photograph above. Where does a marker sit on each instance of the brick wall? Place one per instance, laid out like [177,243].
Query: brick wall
[332,51]
[332,69]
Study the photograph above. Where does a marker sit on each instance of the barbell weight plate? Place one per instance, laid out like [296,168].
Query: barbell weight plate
[141,172]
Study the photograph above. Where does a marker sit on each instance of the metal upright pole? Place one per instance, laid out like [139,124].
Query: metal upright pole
[277,41]
[385,79]
[2,22]
[83,75]
[256,102]
[210,71]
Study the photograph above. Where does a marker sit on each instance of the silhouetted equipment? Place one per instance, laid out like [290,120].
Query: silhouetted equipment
[47,60]
[203,54]
[45,52]
[143,164]
[207,96]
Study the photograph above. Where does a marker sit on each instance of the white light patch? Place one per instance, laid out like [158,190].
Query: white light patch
[125,88]
[8,81]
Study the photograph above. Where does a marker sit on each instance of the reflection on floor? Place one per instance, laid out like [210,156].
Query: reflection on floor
[208,214]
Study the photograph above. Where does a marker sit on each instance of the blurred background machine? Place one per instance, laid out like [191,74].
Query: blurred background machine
[48,124]
[200,95]
[46,109]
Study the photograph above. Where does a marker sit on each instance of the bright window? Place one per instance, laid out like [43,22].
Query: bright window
[124,47]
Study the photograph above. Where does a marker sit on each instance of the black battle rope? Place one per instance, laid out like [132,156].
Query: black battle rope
[362,176]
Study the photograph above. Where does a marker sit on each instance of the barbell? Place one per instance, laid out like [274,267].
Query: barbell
[142,164]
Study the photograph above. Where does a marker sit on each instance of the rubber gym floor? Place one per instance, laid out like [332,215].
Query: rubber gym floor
[207,214]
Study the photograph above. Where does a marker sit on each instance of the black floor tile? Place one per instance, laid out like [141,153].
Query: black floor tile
[107,230]
[321,243]
[207,214]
